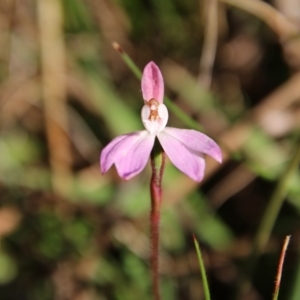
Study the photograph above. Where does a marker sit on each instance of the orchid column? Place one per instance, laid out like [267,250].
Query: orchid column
[184,147]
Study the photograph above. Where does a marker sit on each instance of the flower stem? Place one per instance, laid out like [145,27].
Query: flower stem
[157,165]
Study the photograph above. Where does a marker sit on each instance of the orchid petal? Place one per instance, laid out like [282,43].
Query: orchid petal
[129,152]
[189,162]
[196,141]
[107,157]
[152,83]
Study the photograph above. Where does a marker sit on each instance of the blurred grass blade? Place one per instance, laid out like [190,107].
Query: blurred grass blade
[53,67]
[202,270]
[275,203]
[295,290]
[186,119]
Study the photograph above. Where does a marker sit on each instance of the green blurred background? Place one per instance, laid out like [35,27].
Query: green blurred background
[68,232]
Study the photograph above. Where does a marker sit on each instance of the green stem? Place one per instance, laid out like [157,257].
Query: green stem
[202,270]
[128,61]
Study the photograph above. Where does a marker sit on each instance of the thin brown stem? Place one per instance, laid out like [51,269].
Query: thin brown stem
[156,193]
[280,266]
[154,223]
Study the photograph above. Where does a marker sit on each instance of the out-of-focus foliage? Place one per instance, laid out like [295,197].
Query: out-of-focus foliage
[69,232]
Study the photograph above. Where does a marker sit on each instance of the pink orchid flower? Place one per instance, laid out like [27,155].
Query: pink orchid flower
[184,147]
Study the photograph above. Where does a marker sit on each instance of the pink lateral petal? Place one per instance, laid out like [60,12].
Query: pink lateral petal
[196,141]
[107,157]
[152,83]
[129,152]
[190,163]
